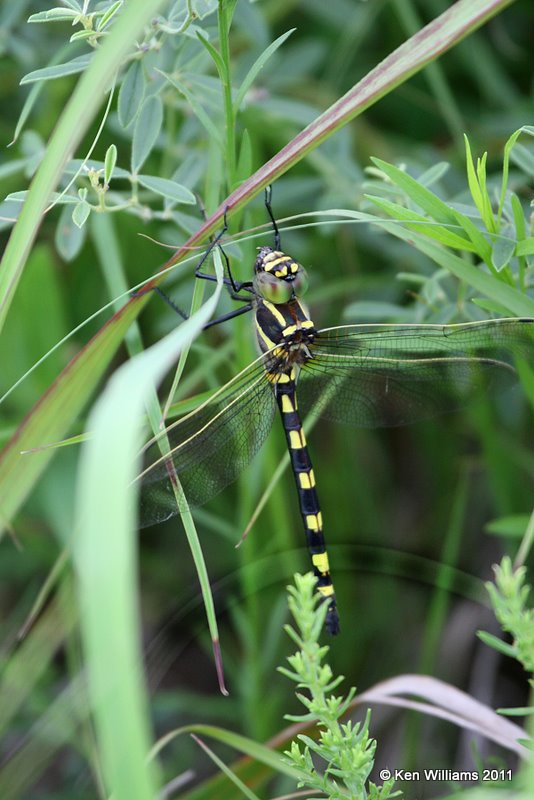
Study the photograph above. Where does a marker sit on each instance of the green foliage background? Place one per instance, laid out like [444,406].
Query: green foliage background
[414,517]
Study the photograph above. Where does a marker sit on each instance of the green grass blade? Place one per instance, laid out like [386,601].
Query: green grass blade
[507,296]
[105,556]
[418,222]
[238,783]
[429,202]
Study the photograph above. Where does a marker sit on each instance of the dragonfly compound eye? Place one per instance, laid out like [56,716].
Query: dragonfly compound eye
[275,290]
[300,282]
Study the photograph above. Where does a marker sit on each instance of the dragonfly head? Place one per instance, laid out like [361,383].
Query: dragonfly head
[278,278]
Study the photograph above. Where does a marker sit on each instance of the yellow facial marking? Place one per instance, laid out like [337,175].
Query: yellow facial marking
[295,440]
[287,405]
[273,259]
[320,560]
[281,273]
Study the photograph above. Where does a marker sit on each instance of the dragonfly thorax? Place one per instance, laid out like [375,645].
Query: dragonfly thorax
[278,277]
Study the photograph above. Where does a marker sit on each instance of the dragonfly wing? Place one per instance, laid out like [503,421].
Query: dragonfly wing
[385,375]
[210,446]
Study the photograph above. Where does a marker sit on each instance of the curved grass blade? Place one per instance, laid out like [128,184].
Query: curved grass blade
[105,555]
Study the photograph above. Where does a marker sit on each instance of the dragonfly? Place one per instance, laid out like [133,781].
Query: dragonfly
[364,375]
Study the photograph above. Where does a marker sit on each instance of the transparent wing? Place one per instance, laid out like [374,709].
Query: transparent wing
[210,446]
[385,375]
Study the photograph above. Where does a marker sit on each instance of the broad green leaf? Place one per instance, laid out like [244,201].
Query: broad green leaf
[171,189]
[505,169]
[434,173]
[204,8]
[56,198]
[81,213]
[513,526]
[80,36]
[497,644]
[523,158]
[131,93]
[197,107]
[472,180]
[78,64]
[73,167]
[69,236]
[524,248]
[503,251]
[108,15]
[258,65]
[482,246]
[420,195]
[12,167]
[109,163]
[417,222]
[54,15]
[476,179]
[35,91]
[214,53]
[146,131]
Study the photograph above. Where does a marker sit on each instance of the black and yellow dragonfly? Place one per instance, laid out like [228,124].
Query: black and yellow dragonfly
[363,375]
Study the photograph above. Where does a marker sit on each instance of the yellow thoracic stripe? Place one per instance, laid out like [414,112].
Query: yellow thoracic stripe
[274,311]
[270,344]
[289,330]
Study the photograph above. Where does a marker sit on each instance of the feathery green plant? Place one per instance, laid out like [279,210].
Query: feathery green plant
[346,748]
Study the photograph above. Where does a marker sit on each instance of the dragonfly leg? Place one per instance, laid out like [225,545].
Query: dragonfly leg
[237,286]
[231,314]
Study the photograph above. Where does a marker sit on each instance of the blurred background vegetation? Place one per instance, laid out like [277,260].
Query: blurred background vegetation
[414,517]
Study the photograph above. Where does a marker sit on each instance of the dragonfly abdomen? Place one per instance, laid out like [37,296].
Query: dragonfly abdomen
[308,500]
